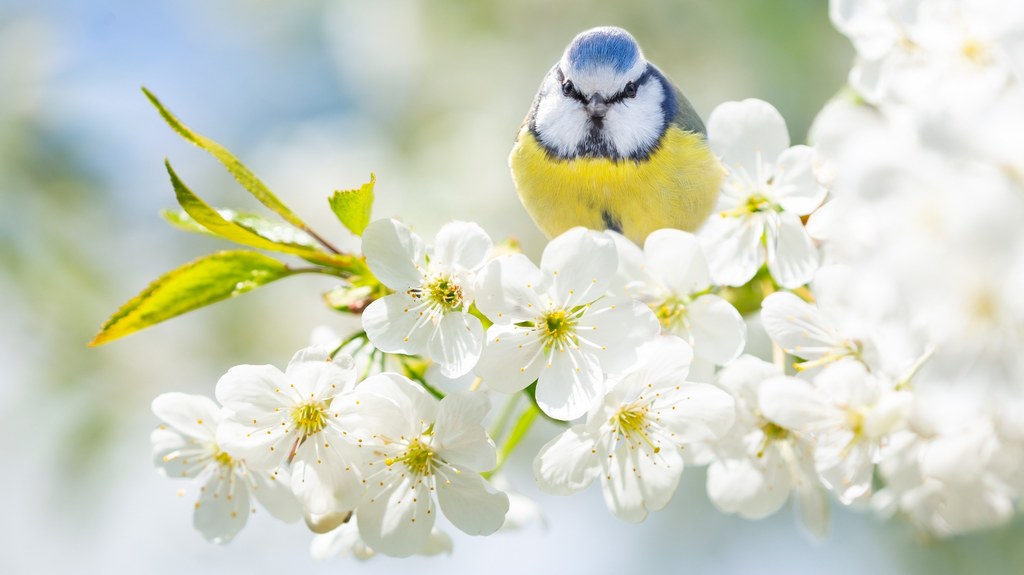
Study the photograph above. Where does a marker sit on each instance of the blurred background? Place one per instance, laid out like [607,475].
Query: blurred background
[314,96]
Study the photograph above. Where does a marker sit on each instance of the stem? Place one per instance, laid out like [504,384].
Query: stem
[522,425]
[415,376]
[350,339]
[322,241]
[531,392]
[324,270]
[904,382]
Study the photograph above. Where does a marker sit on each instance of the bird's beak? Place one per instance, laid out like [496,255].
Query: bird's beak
[597,107]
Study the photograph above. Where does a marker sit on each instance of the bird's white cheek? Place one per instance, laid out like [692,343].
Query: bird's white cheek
[635,124]
[562,123]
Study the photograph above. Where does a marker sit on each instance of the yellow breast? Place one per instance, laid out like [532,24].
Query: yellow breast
[676,187]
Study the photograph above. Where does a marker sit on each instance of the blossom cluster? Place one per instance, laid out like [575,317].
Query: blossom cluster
[881,261]
[923,245]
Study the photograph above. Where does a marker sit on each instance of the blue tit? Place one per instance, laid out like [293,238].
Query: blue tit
[611,143]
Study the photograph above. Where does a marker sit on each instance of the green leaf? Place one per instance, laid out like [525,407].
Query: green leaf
[207,280]
[353,206]
[277,232]
[241,173]
[204,215]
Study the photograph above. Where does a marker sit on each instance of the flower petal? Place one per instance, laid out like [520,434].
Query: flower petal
[313,375]
[339,541]
[746,134]
[677,259]
[507,290]
[567,463]
[396,324]
[748,488]
[394,254]
[470,502]
[223,506]
[262,448]
[460,246]
[614,328]
[743,377]
[798,327]
[695,412]
[792,257]
[396,515]
[796,186]
[251,391]
[718,330]
[793,404]
[659,476]
[812,508]
[511,359]
[193,415]
[323,480]
[439,542]
[662,362]
[387,405]
[632,271]
[637,480]
[456,343]
[569,384]
[274,492]
[459,433]
[583,263]
[177,455]
[733,247]
[845,465]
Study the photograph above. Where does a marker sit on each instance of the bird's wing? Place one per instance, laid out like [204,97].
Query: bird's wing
[686,116]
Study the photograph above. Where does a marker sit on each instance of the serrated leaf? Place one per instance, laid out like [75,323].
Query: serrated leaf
[203,214]
[277,232]
[235,167]
[353,206]
[207,280]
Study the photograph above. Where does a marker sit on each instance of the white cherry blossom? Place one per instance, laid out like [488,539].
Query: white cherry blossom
[185,445]
[429,312]
[769,186]
[760,463]
[849,414]
[424,454]
[556,325]
[274,418]
[634,439]
[671,276]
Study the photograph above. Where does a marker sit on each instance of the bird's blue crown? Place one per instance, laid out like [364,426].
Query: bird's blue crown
[603,47]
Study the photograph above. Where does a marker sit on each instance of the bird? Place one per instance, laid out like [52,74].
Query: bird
[611,143]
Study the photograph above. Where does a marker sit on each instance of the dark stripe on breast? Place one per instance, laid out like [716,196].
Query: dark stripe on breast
[611,222]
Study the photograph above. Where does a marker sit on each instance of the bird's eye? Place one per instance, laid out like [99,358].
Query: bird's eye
[568,89]
[630,90]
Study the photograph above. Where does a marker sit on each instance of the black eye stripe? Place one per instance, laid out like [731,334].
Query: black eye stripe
[622,94]
[571,91]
